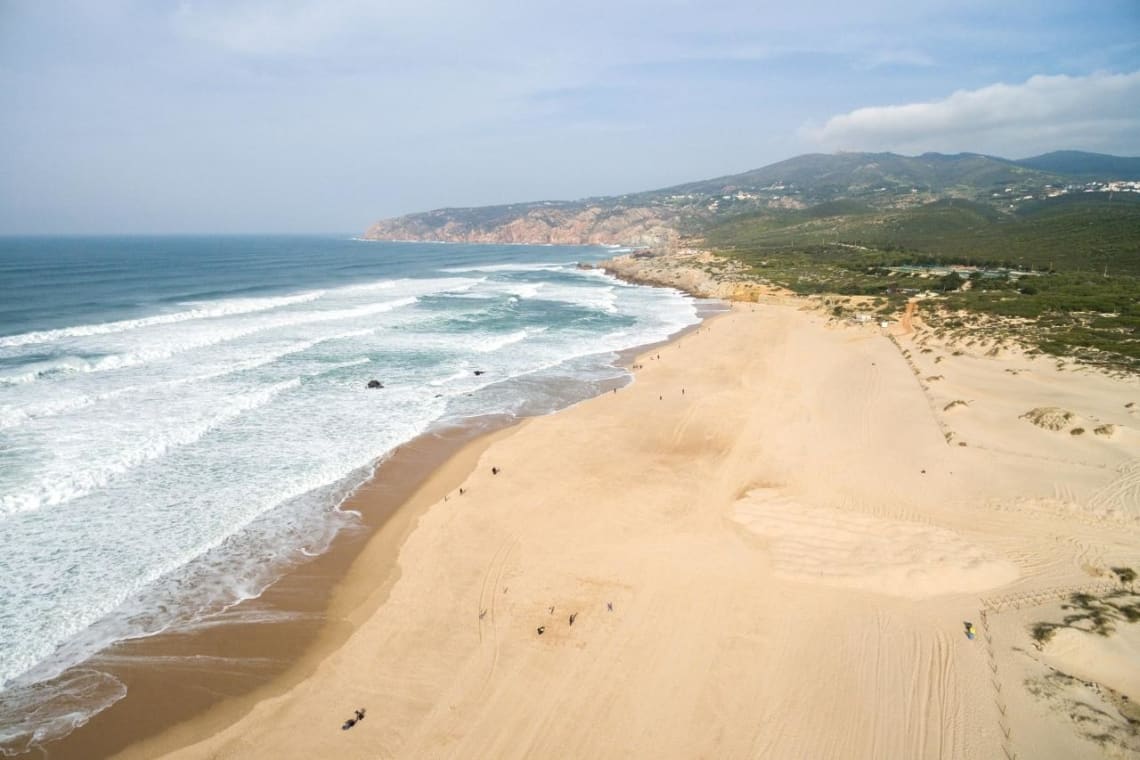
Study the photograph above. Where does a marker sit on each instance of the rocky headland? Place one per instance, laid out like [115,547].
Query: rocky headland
[694,271]
[535,224]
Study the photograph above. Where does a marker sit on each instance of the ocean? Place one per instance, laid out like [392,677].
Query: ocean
[182,417]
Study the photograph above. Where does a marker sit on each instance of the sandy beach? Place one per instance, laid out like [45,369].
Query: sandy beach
[266,644]
[767,546]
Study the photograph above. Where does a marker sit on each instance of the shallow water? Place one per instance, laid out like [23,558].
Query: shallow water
[181,417]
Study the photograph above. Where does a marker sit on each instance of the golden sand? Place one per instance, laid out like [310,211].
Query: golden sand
[767,546]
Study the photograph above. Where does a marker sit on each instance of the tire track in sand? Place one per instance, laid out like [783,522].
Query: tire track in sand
[1123,493]
[489,593]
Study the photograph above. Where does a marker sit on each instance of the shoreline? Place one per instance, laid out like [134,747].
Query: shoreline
[182,685]
[792,361]
[190,675]
[775,498]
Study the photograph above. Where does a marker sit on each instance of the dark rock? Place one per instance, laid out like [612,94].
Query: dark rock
[375,384]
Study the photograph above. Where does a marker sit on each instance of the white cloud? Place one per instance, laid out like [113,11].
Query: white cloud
[1098,111]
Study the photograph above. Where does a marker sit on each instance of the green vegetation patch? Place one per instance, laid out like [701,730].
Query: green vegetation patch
[1093,614]
[1065,270]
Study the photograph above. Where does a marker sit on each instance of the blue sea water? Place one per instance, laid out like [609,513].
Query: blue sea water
[180,417]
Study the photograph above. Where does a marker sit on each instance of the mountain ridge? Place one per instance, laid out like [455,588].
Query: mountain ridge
[662,216]
[1083,164]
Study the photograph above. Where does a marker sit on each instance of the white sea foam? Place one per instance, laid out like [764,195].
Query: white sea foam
[453,377]
[519,289]
[160,473]
[12,415]
[604,298]
[495,342]
[167,349]
[32,718]
[211,311]
[56,487]
[534,267]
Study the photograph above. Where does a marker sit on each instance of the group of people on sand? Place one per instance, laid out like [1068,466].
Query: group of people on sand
[573,616]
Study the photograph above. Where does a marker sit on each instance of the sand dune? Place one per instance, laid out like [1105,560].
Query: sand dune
[1113,661]
[847,549]
[770,543]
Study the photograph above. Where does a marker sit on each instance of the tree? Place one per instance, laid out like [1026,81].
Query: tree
[950,281]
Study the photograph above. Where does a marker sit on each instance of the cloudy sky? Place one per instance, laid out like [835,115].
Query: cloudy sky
[125,116]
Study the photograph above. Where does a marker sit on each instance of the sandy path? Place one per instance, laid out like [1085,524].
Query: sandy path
[789,546]
[908,317]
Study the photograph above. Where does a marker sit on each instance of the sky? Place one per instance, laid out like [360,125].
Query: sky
[292,116]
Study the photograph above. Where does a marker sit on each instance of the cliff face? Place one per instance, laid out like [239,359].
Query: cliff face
[536,225]
[698,273]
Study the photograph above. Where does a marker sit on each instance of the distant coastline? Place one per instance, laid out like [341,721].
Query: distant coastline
[869,232]
[662,218]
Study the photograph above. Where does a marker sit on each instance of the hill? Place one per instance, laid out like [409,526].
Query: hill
[1061,274]
[1079,232]
[656,217]
[1053,239]
[1075,163]
[818,177]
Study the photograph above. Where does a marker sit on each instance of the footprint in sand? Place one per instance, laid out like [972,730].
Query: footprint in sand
[853,550]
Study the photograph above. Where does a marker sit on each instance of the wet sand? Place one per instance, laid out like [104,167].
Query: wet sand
[173,677]
[767,546]
[183,686]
